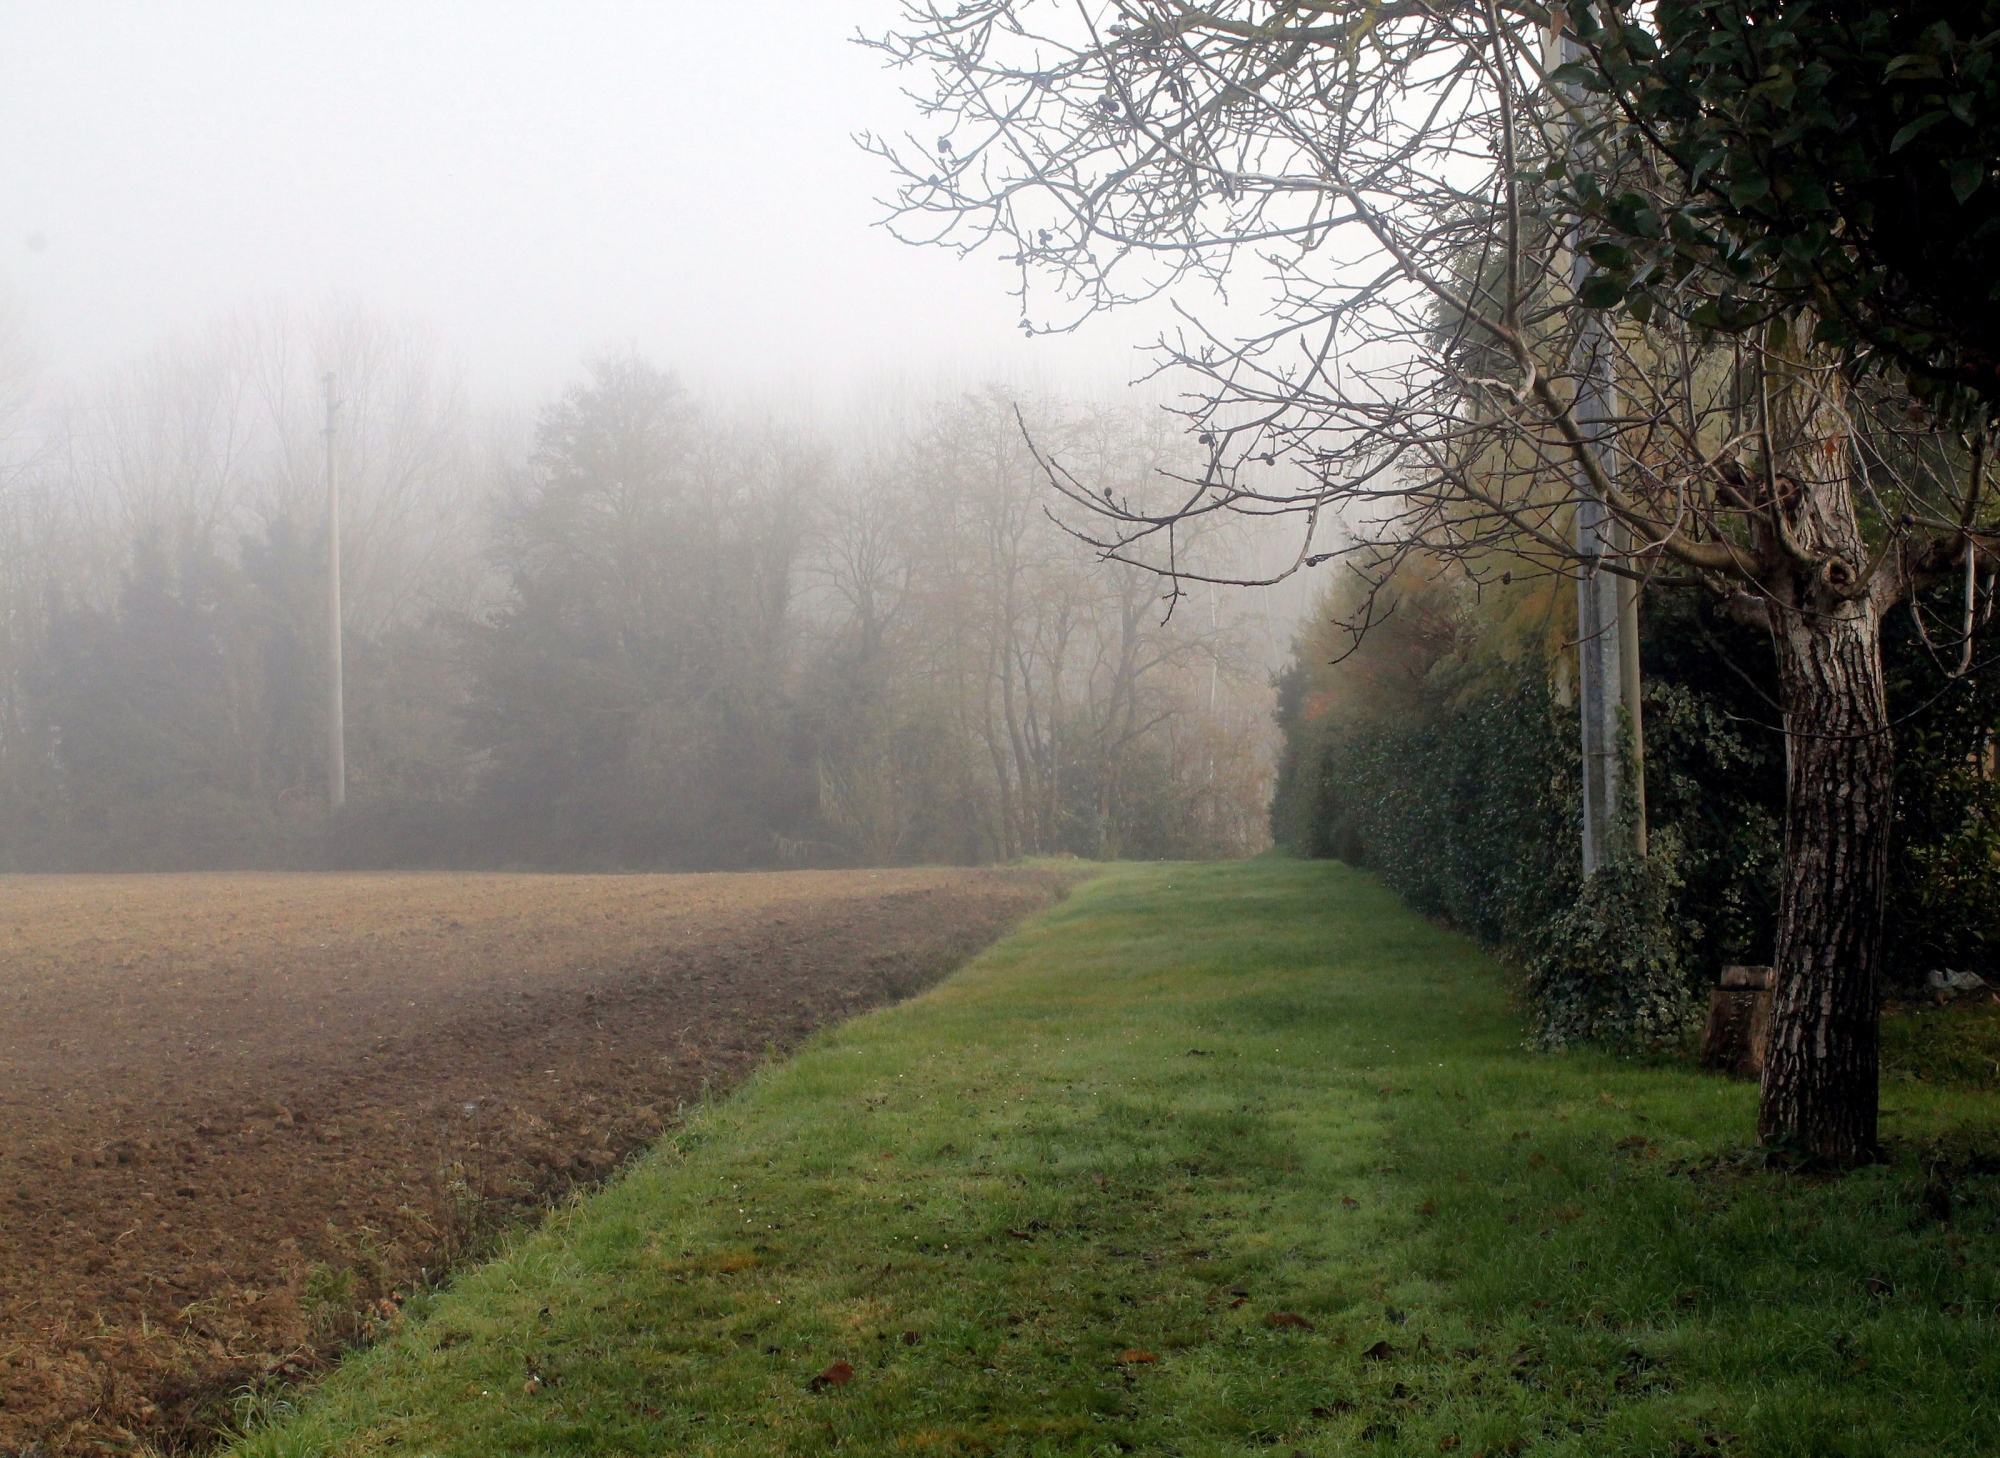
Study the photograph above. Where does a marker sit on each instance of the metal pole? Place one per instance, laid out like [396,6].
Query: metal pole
[1600,666]
[1607,605]
[1631,689]
[1215,663]
[336,725]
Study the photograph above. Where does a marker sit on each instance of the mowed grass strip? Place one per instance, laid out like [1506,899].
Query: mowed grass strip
[1215,1160]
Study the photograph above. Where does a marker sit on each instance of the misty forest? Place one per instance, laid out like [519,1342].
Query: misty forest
[634,633]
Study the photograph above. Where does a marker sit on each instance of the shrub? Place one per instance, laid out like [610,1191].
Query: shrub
[1614,965]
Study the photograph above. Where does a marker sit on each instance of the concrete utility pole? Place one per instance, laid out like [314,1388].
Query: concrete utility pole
[1607,624]
[1607,605]
[336,722]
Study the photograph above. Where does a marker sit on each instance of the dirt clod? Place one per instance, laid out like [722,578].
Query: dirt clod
[837,1375]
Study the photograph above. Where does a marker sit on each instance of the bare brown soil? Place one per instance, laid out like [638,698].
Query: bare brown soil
[240,1114]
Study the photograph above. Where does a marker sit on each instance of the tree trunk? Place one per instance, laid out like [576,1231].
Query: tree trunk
[1820,1074]
[1821,1079]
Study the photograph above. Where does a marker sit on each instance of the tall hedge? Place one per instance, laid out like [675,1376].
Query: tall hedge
[1465,801]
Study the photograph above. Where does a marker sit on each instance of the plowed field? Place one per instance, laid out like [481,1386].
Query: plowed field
[240,1115]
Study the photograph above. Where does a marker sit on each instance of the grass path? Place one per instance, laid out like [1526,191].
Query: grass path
[1222,1159]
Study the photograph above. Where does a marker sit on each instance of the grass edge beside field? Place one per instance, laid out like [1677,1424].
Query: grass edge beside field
[1209,1159]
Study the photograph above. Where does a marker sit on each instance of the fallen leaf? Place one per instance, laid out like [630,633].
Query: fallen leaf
[1097,1179]
[1445,1445]
[838,1375]
[1338,1405]
[1288,1318]
[1380,1352]
[1022,1234]
[532,1385]
[1427,1208]
[1633,1141]
[1878,1287]
[1134,1357]
[1348,1202]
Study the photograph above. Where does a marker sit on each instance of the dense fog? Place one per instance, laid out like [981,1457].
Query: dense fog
[636,629]
[687,518]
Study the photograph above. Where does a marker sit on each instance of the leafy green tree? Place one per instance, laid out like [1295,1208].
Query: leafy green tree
[1832,156]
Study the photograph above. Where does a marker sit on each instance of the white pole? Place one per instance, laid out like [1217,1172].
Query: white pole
[1607,605]
[336,727]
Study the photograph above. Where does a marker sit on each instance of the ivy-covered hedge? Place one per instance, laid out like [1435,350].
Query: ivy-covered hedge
[1944,893]
[1471,815]
[1466,803]
[1467,813]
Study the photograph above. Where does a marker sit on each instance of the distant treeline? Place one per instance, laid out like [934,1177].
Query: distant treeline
[648,637]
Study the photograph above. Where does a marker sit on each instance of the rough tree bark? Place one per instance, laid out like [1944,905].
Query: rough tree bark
[1820,1080]
[1824,607]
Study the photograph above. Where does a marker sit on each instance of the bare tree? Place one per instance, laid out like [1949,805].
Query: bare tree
[218,433]
[210,446]
[1399,182]
[988,686]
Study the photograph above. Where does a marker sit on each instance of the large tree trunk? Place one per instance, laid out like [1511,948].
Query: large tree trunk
[1821,1078]
[1820,1069]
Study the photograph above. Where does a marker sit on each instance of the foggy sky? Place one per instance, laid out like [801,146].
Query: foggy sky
[535,182]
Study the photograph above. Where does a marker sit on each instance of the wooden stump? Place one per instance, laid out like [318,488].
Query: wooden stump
[1739,1022]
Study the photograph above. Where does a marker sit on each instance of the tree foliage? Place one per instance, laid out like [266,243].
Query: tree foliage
[628,698]
[1832,156]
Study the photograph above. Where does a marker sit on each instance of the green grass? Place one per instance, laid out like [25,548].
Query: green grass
[1957,1043]
[1186,1101]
